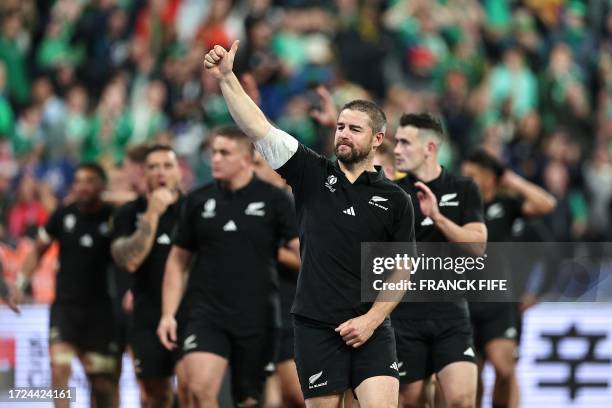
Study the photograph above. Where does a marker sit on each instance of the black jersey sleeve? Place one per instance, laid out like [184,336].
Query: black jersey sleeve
[124,221]
[473,208]
[184,234]
[303,166]
[286,224]
[54,224]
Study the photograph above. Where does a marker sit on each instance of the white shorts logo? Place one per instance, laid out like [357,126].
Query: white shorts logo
[190,342]
[313,379]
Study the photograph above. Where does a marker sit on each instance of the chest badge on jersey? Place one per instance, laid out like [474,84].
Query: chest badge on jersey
[377,201]
[445,200]
[331,180]
[209,208]
[86,241]
[495,211]
[69,222]
[256,209]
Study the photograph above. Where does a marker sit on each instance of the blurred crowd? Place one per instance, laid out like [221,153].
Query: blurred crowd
[88,80]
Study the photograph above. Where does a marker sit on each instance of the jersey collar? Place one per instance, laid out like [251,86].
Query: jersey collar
[227,193]
[367,177]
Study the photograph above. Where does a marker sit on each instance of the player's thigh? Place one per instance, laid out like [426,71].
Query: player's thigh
[325,401]
[458,382]
[381,391]
[322,359]
[206,350]
[205,371]
[290,383]
[501,354]
[374,365]
[413,394]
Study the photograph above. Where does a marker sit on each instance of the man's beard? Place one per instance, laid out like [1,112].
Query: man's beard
[354,156]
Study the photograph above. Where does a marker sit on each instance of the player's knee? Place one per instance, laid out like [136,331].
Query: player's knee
[97,364]
[157,395]
[504,367]
[411,397]
[202,391]
[460,400]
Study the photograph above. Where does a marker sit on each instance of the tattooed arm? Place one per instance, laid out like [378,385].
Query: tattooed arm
[131,251]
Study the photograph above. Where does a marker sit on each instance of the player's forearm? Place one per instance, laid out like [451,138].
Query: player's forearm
[537,200]
[289,258]
[174,281]
[245,112]
[130,252]
[464,234]
[380,310]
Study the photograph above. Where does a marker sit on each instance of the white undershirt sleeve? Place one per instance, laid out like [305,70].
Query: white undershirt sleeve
[277,147]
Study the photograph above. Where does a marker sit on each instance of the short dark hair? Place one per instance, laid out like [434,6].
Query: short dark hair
[157,148]
[137,153]
[378,120]
[94,168]
[423,120]
[483,159]
[235,133]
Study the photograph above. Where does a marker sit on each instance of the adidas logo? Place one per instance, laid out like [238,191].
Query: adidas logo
[469,352]
[163,239]
[349,211]
[394,366]
[427,221]
[230,226]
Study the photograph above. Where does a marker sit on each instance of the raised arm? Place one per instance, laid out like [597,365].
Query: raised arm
[220,62]
[276,146]
[537,200]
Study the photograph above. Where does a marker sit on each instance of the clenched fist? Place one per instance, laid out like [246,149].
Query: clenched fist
[219,62]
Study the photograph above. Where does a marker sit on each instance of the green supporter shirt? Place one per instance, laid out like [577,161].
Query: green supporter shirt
[17,72]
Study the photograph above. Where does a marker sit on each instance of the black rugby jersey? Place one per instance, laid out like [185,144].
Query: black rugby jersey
[459,200]
[235,236]
[84,254]
[334,218]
